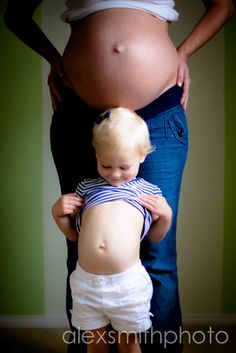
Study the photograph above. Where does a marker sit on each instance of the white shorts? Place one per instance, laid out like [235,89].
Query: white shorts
[122,300]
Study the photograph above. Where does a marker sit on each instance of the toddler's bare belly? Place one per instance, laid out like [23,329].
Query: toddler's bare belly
[109,238]
[120,57]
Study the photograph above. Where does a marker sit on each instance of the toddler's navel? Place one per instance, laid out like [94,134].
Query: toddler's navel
[102,246]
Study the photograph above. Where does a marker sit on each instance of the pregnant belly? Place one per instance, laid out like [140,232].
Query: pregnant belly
[120,57]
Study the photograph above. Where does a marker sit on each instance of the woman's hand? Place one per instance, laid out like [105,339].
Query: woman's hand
[183,79]
[56,78]
[217,13]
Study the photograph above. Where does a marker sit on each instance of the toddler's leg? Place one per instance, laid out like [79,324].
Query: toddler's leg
[128,343]
[97,340]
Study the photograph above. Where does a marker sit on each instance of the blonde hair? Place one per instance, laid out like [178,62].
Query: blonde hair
[121,128]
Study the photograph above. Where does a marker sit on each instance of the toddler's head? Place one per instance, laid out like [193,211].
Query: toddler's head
[121,142]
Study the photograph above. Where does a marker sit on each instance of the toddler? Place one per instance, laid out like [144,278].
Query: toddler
[109,216]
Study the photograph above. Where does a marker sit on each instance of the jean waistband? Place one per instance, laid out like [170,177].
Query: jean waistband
[167,100]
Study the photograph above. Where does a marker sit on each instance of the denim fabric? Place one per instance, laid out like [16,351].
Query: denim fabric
[73,154]
[164,167]
[71,133]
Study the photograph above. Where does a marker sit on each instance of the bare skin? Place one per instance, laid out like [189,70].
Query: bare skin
[112,249]
[18,18]
[98,341]
[135,60]
[109,237]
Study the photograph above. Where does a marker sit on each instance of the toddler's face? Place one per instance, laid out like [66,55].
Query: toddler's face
[118,167]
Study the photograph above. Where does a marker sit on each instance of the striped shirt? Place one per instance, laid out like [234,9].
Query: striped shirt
[96,191]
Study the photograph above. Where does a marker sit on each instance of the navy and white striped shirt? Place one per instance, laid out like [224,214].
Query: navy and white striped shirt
[96,191]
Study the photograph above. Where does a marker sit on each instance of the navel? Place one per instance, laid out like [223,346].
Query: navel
[118,48]
[102,246]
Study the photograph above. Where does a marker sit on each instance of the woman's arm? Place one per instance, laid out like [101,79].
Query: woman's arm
[18,18]
[217,13]
[215,16]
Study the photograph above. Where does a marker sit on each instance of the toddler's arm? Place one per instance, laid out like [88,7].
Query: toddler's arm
[161,215]
[64,212]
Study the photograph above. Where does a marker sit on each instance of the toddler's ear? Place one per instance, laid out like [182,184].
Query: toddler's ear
[142,158]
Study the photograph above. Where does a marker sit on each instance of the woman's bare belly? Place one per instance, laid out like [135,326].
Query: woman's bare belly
[109,238]
[120,57]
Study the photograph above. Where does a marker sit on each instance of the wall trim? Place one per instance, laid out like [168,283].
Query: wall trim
[29,321]
[209,319]
[60,321]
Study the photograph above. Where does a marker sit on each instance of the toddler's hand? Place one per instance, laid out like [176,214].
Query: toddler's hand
[157,205]
[67,205]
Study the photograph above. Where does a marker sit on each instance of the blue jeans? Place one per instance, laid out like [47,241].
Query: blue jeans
[71,133]
[164,167]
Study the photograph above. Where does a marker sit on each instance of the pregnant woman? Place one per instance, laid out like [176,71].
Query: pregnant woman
[119,53]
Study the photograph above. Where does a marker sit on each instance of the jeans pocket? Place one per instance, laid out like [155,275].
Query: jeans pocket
[179,129]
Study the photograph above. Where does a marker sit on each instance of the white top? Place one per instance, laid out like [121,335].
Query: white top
[77,9]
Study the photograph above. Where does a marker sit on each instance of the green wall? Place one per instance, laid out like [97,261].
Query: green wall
[21,216]
[21,241]
[229,278]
